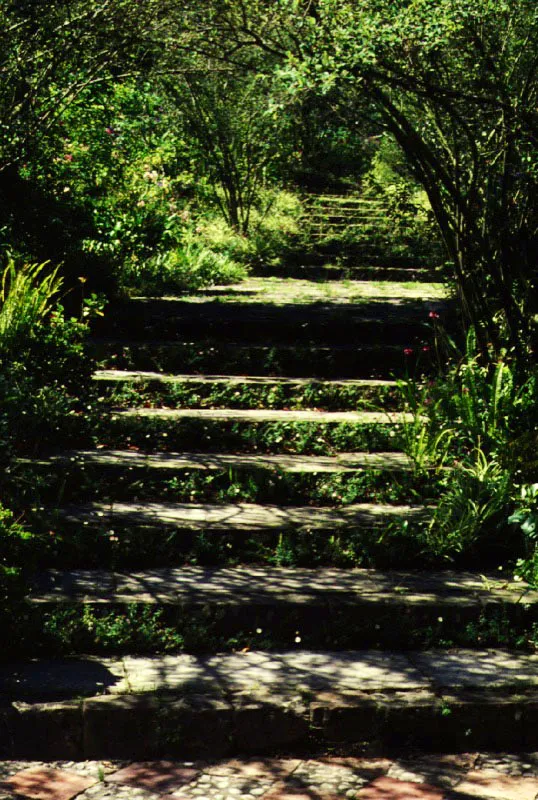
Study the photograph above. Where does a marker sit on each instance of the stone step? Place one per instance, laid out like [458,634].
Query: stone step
[303,295]
[177,462]
[400,592]
[238,517]
[259,702]
[283,480]
[337,200]
[130,387]
[301,360]
[264,415]
[282,291]
[346,218]
[143,523]
[221,608]
[134,376]
[306,431]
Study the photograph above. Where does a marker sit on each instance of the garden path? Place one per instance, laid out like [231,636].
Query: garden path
[236,559]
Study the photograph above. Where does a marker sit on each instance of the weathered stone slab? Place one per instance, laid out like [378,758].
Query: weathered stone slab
[261,675]
[386,788]
[244,585]
[262,415]
[239,516]
[140,376]
[479,669]
[128,459]
[155,776]
[281,586]
[287,290]
[491,785]
[47,783]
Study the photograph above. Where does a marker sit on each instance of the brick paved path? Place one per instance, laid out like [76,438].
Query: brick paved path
[433,777]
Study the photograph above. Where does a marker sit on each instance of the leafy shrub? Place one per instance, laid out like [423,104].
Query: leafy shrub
[43,362]
[274,224]
[44,372]
[26,297]
[525,516]
[474,419]
[188,267]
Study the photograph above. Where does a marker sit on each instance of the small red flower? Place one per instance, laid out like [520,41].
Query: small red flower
[68,157]
[426,349]
[110,131]
[408,351]
[433,315]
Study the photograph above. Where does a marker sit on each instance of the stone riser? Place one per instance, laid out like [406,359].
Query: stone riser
[371,272]
[139,727]
[134,546]
[150,434]
[187,392]
[358,254]
[234,359]
[327,245]
[282,327]
[223,625]
[254,484]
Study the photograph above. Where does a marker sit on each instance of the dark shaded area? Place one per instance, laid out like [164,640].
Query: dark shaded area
[41,681]
[47,228]
[387,320]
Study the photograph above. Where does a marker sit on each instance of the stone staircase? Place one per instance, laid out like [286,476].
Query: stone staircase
[236,565]
[352,236]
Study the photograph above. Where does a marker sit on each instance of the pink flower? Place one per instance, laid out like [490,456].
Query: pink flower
[408,351]
[426,349]
[110,131]
[68,157]
[433,315]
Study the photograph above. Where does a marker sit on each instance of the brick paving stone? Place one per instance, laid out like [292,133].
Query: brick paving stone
[265,768]
[493,785]
[156,776]
[220,787]
[386,788]
[9,768]
[45,783]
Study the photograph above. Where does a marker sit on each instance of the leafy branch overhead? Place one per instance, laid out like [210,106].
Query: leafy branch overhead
[456,84]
